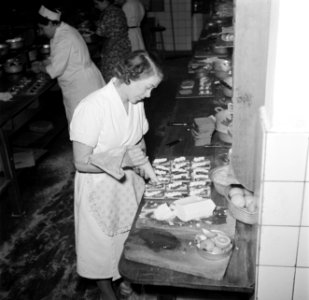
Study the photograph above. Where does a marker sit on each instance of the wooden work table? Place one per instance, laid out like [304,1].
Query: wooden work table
[14,114]
[240,273]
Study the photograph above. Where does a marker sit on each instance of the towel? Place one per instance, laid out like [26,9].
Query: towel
[110,161]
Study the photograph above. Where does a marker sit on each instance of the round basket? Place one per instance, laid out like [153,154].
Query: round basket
[215,176]
[239,213]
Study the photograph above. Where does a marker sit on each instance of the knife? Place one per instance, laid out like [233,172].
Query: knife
[178,124]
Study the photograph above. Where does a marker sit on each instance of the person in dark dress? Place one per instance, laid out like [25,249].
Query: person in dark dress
[112,26]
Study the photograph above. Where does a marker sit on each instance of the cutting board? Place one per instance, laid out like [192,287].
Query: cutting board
[160,248]
[170,244]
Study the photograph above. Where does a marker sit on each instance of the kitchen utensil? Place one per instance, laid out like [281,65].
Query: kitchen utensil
[4,49]
[178,124]
[15,43]
[188,126]
[13,65]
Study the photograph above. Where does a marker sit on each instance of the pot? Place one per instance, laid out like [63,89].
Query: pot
[4,49]
[15,43]
[13,65]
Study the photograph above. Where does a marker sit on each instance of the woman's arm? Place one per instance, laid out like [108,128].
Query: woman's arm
[81,155]
[142,145]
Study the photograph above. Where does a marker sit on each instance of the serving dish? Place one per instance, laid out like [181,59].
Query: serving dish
[214,244]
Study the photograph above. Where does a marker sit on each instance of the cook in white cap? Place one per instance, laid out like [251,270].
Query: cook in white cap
[69,60]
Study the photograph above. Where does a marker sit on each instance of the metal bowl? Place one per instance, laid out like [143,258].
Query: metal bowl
[4,49]
[15,43]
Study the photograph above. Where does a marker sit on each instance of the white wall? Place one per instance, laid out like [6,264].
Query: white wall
[283,134]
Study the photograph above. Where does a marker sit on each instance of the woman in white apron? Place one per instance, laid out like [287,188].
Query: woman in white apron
[69,60]
[135,12]
[107,131]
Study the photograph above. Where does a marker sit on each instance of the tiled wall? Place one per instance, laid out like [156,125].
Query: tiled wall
[283,254]
[182,24]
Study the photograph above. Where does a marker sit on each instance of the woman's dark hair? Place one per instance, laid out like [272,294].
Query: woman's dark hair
[137,65]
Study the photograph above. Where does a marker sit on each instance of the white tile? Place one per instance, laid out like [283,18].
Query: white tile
[275,283]
[286,156]
[278,245]
[305,216]
[303,248]
[282,203]
[301,288]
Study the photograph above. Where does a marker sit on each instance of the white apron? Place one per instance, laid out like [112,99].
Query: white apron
[105,207]
[135,13]
[71,64]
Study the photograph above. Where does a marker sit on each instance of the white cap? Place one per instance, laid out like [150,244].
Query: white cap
[50,15]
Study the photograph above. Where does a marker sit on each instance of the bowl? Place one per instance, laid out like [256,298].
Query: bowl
[239,213]
[222,177]
[219,253]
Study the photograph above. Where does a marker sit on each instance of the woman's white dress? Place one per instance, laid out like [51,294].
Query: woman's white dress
[71,64]
[105,207]
[135,12]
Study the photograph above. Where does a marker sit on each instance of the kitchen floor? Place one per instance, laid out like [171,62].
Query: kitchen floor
[37,254]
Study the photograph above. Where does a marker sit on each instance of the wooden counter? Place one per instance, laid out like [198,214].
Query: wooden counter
[13,115]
